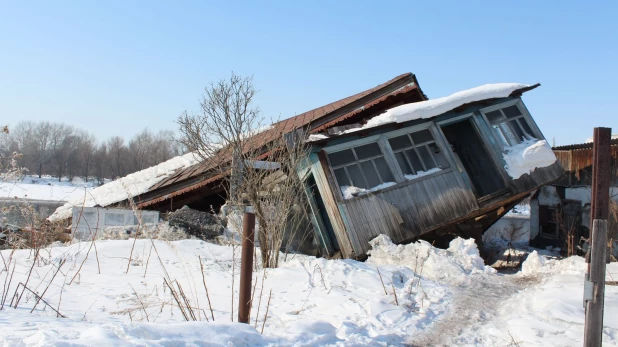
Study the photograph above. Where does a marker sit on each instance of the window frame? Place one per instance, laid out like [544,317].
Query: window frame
[358,163]
[525,115]
[408,131]
[389,155]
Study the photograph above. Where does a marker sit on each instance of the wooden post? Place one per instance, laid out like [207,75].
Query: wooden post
[246,265]
[594,283]
[593,329]
[601,174]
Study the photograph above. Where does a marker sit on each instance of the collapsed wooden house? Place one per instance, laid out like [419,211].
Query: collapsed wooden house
[390,161]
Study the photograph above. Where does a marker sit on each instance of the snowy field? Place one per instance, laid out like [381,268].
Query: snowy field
[45,188]
[443,297]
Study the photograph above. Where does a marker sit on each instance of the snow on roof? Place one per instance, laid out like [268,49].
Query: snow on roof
[126,187]
[525,157]
[436,107]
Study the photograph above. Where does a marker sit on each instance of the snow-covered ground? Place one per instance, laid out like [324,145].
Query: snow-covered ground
[45,188]
[444,297]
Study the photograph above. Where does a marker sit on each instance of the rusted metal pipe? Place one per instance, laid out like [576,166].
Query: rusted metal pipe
[246,265]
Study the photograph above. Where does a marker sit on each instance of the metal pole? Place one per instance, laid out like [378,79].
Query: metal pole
[594,284]
[246,265]
[593,328]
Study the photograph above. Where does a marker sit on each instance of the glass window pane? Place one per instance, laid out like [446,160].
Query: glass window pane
[494,117]
[340,158]
[403,164]
[356,176]
[414,160]
[438,155]
[367,151]
[399,142]
[426,156]
[511,111]
[501,136]
[384,170]
[421,136]
[370,173]
[525,126]
[519,134]
[508,133]
[342,178]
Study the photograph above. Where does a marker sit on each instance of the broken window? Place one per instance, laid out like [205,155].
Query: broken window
[417,152]
[548,220]
[361,166]
[510,125]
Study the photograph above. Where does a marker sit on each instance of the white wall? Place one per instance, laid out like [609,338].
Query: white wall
[90,220]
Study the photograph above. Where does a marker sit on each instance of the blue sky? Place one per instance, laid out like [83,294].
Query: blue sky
[116,67]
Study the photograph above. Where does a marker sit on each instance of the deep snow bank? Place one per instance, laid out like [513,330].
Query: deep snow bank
[452,265]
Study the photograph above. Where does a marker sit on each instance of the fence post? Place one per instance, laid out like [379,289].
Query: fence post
[246,265]
[593,329]
[594,283]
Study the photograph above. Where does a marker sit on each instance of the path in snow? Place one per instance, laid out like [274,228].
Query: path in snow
[473,305]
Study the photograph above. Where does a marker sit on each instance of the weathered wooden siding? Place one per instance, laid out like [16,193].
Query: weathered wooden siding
[405,211]
[539,177]
[324,183]
[578,166]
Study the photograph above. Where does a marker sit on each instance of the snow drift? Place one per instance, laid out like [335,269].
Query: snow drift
[453,265]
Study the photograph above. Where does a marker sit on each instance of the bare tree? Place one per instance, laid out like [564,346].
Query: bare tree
[42,137]
[99,163]
[140,147]
[117,156]
[86,147]
[61,146]
[257,164]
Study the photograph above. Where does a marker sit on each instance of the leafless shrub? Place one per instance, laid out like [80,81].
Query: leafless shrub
[256,165]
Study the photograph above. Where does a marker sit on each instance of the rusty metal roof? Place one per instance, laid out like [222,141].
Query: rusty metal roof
[587,145]
[191,175]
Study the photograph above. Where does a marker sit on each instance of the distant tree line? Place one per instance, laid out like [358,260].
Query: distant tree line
[61,150]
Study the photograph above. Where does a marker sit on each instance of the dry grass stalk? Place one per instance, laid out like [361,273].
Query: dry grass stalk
[92,244]
[206,289]
[186,301]
[6,291]
[60,299]
[233,268]
[317,267]
[143,307]
[36,255]
[260,301]
[49,284]
[138,215]
[88,310]
[394,293]
[177,299]
[252,296]
[38,297]
[383,286]
[266,314]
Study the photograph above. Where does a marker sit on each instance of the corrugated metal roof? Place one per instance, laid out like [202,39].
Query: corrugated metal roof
[586,145]
[287,125]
